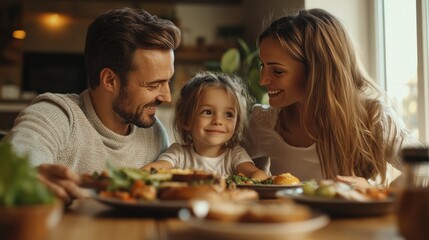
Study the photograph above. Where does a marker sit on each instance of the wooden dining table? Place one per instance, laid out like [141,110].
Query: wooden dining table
[90,219]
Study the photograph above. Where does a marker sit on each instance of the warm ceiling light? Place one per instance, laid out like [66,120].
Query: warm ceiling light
[19,34]
[54,20]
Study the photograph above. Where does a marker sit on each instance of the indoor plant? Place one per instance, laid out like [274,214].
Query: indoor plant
[245,63]
[28,210]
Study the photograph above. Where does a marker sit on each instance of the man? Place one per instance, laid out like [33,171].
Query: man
[129,60]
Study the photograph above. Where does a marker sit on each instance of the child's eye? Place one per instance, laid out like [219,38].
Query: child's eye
[206,113]
[229,115]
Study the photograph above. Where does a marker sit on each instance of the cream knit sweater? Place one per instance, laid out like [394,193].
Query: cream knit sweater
[64,129]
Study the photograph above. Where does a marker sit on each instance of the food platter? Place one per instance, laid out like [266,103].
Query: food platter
[341,207]
[268,190]
[156,206]
[234,230]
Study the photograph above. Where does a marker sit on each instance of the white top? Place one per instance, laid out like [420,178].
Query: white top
[303,162]
[64,129]
[183,157]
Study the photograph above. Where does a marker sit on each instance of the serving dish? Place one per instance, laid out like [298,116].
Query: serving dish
[267,191]
[341,207]
[239,230]
[149,207]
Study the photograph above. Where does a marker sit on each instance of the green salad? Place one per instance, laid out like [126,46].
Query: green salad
[241,179]
[19,184]
[114,178]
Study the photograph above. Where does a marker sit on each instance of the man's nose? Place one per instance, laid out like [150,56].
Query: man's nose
[165,95]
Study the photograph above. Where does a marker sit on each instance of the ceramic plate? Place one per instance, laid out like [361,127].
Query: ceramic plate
[237,230]
[157,206]
[341,207]
[268,190]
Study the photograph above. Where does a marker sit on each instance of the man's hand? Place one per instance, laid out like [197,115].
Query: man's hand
[62,181]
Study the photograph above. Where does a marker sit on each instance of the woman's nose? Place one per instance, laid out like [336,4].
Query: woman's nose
[263,79]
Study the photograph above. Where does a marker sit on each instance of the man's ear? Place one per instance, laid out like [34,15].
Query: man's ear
[109,80]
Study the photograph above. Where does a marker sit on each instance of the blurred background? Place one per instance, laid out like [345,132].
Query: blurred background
[42,42]
[47,36]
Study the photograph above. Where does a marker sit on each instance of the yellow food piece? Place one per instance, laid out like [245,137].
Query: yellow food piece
[286,179]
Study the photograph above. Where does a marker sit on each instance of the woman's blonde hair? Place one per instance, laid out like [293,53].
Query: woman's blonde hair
[191,92]
[354,132]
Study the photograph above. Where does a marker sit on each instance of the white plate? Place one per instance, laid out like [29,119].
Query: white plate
[268,190]
[341,207]
[240,230]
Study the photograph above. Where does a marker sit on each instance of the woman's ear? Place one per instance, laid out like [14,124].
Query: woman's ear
[109,80]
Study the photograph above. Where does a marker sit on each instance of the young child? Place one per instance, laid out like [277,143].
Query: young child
[210,117]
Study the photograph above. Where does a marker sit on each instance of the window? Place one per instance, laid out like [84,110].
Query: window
[402,41]
[423,68]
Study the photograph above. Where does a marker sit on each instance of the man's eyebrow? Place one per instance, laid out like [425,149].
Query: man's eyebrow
[158,81]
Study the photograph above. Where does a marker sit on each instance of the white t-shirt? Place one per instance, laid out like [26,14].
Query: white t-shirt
[263,140]
[303,162]
[185,157]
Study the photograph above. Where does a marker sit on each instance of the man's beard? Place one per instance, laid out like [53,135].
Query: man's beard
[119,107]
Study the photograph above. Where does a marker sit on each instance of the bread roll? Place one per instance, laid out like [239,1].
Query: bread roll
[273,211]
[240,194]
[286,179]
[276,211]
[226,211]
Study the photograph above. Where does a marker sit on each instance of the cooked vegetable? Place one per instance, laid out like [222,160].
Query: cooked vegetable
[124,178]
[331,189]
[130,184]
[309,187]
[241,179]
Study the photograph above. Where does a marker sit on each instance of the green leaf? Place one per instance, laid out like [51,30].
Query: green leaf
[118,179]
[135,174]
[245,63]
[230,61]
[244,46]
[250,63]
[18,180]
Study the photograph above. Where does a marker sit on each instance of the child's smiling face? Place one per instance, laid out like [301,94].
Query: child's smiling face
[214,121]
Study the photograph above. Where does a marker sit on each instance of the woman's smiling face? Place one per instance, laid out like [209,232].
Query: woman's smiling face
[283,76]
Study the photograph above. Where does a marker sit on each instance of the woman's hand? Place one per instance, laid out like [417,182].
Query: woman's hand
[62,181]
[354,181]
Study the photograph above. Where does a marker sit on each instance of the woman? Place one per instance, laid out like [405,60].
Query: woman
[326,118]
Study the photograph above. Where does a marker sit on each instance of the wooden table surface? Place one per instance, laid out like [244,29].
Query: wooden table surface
[89,219]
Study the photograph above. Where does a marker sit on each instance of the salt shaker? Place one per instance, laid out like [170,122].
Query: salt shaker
[413,209]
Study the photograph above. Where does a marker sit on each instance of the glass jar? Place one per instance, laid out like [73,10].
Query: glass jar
[413,209]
